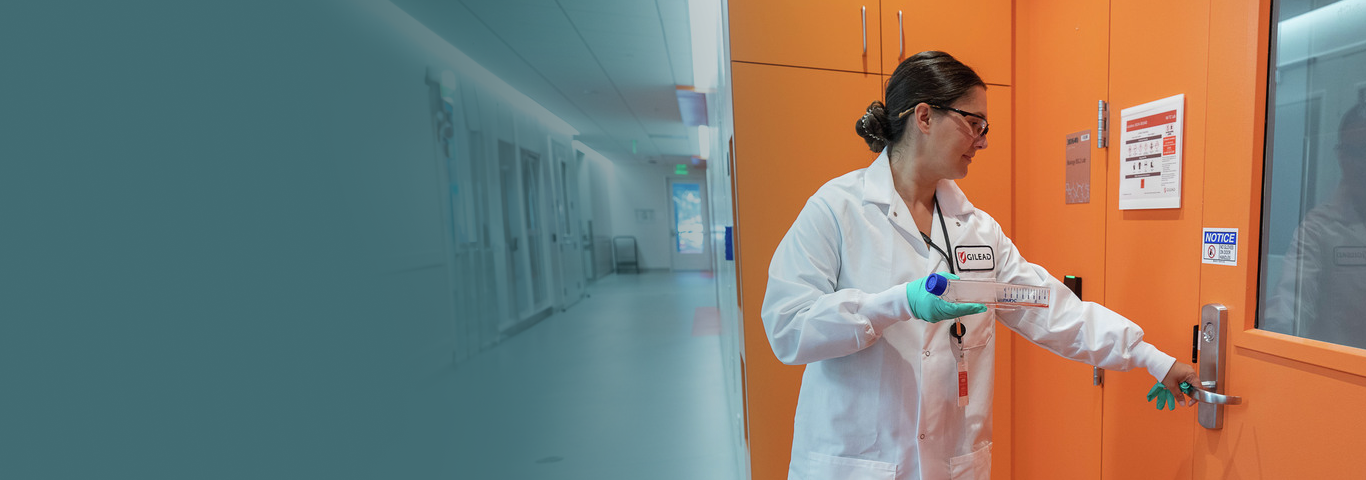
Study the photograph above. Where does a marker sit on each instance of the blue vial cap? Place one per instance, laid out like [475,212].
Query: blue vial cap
[936,284]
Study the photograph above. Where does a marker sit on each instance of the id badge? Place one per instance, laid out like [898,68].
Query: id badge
[962,383]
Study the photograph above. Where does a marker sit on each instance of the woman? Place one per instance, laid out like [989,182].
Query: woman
[881,394]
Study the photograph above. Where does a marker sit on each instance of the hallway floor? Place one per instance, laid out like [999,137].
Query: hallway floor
[619,386]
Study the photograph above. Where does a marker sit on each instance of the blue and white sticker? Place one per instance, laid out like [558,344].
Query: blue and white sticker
[1219,246]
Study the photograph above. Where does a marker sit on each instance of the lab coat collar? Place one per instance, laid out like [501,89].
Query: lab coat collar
[878,189]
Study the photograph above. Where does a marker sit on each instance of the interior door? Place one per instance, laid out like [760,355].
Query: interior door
[568,239]
[514,231]
[1066,238]
[536,235]
[1158,49]
[690,248]
[1302,380]
[1300,371]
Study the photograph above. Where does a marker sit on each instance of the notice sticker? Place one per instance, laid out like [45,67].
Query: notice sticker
[1219,246]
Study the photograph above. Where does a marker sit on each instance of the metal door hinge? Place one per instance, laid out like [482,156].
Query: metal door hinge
[1102,124]
[1097,376]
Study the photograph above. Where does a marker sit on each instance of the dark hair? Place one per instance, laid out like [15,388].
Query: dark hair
[926,77]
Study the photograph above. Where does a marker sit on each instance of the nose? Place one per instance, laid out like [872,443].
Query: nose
[980,143]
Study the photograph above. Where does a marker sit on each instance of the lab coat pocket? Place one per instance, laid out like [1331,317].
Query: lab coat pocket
[973,466]
[979,330]
[829,467]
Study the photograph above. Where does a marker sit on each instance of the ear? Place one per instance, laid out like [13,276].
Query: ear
[921,116]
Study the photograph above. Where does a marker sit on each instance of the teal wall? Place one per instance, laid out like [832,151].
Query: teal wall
[216,221]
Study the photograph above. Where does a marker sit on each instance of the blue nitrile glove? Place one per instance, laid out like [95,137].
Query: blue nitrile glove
[930,308]
[1164,397]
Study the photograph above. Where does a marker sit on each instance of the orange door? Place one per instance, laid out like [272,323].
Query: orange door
[1302,415]
[1303,412]
[830,34]
[978,34]
[1158,49]
[794,131]
[1056,405]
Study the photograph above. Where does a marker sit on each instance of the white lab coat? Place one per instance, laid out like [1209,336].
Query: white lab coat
[1321,293]
[879,398]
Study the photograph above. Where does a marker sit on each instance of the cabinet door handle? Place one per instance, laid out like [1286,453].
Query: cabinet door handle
[865,29]
[900,35]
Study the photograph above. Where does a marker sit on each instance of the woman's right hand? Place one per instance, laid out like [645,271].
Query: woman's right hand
[930,308]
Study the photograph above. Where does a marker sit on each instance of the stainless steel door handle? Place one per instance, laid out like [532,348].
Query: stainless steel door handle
[1204,395]
[1213,353]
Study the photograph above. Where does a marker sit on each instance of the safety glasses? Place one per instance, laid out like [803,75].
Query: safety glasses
[979,127]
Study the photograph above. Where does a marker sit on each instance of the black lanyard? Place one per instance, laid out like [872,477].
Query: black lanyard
[957,330]
[945,229]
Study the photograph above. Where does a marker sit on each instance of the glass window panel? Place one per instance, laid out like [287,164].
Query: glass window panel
[688,216]
[1313,259]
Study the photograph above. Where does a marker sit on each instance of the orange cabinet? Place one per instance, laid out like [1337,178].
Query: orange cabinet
[830,34]
[794,131]
[800,79]
[978,35]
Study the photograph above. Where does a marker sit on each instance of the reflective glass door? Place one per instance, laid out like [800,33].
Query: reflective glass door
[688,231]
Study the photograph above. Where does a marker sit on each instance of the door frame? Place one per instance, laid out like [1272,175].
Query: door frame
[569,258]
[681,262]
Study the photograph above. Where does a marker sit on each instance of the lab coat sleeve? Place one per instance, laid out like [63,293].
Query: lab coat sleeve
[1083,331]
[806,317]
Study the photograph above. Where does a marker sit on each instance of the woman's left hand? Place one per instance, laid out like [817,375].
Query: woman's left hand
[1181,372]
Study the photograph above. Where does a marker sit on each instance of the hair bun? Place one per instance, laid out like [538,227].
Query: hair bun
[872,126]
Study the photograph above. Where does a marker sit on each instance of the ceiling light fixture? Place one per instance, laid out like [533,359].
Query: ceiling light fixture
[703,141]
[704,20]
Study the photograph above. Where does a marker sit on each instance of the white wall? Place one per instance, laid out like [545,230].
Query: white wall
[721,202]
[635,187]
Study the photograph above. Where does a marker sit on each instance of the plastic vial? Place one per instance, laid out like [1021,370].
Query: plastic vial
[991,294]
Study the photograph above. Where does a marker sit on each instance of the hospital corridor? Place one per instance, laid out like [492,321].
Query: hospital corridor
[629,383]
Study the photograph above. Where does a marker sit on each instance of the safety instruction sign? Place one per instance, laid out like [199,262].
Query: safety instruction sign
[1220,246]
[1150,154]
